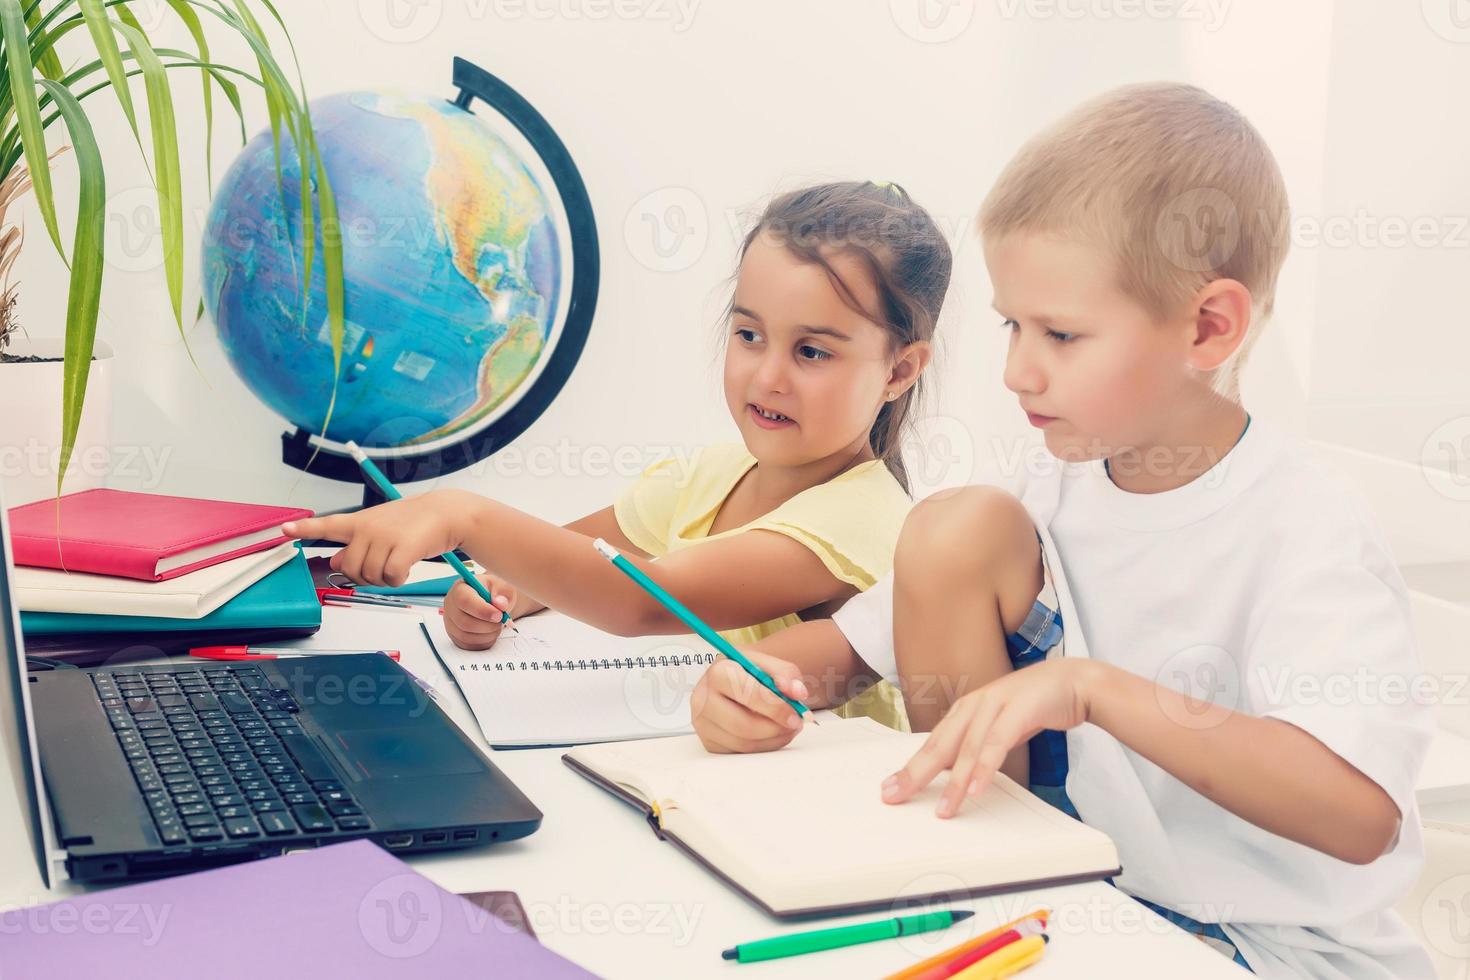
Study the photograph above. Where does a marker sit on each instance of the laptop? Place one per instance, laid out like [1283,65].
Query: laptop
[137,771]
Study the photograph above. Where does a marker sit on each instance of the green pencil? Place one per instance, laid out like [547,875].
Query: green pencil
[864,932]
[692,621]
[387,489]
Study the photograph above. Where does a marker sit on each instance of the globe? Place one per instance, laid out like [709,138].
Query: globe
[453,247]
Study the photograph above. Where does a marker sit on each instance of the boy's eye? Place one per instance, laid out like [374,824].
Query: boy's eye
[1061,338]
[811,353]
[1010,325]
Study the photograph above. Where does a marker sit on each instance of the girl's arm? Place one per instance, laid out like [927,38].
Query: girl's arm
[599,524]
[729,583]
[1263,770]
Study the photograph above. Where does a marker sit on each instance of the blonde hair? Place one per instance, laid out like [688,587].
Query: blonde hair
[1177,185]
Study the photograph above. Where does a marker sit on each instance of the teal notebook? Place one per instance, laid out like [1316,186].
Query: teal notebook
[284,598]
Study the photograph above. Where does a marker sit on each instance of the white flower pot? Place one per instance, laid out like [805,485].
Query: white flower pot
[30,423]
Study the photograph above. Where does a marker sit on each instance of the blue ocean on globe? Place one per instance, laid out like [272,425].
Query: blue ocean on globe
[452,266]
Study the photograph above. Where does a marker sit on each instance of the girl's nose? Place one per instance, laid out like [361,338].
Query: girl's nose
[770,373]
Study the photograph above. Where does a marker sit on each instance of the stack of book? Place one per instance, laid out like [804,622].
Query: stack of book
[108,575]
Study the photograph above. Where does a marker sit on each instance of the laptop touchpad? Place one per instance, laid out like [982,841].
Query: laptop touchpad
[388,753]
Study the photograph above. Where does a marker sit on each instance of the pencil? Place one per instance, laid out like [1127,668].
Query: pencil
[693,622]
[371,471]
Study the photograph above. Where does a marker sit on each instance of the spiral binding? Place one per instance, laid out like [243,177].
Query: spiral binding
[596,663]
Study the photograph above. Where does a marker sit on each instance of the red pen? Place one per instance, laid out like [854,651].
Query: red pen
[272,653]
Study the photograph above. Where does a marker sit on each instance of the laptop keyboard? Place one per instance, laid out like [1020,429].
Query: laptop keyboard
[219,755]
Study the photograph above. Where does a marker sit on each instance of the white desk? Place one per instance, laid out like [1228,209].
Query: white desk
[602,890]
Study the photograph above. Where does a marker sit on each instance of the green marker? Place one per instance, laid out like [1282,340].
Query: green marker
[371,471]
[864,932]
[693,622]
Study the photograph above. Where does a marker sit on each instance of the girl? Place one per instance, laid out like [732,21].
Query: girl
[829,331]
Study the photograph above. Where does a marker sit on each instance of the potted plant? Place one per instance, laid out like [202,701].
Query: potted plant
[37,93]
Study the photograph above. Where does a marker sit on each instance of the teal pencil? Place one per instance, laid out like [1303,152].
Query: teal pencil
[371,471]
[692,621]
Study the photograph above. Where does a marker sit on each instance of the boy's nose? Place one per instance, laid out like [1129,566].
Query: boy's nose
[1022,376]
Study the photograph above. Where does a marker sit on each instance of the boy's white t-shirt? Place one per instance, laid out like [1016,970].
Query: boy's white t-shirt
[1265,586]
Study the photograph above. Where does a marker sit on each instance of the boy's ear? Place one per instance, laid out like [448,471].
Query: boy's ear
[1222,317]
[908,364]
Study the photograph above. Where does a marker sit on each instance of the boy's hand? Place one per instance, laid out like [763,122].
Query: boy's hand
[973,738]
[383,542]
[471,622]
[734,712]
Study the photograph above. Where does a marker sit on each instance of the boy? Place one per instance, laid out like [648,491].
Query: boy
[1210,586]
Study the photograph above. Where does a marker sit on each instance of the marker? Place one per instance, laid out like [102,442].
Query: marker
[371,471]
[273,653]
[693,622]
[864,932]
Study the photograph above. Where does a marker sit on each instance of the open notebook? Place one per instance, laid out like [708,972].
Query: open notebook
[803,832]
[562,682]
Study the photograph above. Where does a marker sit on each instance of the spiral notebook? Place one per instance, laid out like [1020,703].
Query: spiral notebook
[562,682]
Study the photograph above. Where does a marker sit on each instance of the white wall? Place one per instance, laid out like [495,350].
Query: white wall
[712,113]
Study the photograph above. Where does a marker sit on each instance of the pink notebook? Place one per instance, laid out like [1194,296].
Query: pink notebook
[346,910]
[147,536]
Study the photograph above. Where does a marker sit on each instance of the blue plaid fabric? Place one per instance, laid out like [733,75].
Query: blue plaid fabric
[1041,631]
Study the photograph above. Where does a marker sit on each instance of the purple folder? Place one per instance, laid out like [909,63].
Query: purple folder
[347,910]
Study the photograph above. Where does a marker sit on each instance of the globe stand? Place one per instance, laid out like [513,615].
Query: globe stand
[303,451]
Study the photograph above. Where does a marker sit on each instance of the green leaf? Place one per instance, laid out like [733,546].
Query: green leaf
[100,27]
[49,63]
[85,292]
[28,113]
[196,31]
[166,160]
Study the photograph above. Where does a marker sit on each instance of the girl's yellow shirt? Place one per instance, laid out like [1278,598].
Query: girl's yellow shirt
[851,523]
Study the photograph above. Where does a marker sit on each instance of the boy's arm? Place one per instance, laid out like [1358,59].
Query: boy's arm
[1264,770]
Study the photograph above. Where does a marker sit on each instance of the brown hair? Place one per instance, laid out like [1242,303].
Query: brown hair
[905,254]
[1175,184]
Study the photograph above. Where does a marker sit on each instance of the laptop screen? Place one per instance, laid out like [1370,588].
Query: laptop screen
[17,726]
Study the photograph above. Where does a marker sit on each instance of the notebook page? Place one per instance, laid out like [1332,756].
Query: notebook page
[757,817]
[562,682]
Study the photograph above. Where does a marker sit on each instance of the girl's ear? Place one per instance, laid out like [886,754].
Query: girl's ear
[908,363]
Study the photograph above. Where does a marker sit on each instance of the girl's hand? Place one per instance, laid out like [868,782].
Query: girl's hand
[734,712]
[471,622]
[383,542]
[981,727]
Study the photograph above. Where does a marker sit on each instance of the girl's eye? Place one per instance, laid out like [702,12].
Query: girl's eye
[1010,325]
[746,334]
[811,353]
[1061,338]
